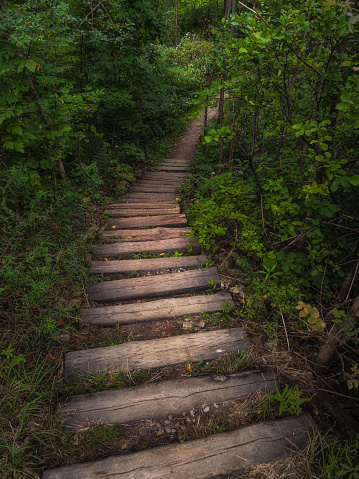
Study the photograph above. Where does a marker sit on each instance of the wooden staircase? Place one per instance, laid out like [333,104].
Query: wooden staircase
[148,219]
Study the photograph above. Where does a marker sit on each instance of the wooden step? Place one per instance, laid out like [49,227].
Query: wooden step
[167,181]
[154,264]
[178,160]
[173,168]
[218,455]
[157,353]
[133,211]
[150,197]
[153,234]
[160,309]
[155,188]
[163,175]
[147,221]
[129,249]
[149,205]
[154,286]
[162,399]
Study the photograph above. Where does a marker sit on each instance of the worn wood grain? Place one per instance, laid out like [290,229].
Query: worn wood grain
[147,221]
[154,188]
[173,168]
[129,248]
[157,353]
[162,399]
[153,286]
[160,309]
[163,175]
[150,197]
[153,234]
[213,457]
[147,205]
[141,265]
[133,211]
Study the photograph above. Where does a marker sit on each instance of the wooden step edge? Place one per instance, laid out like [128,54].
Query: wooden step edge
[157,286]
[132,212]
[218,455]
[155,400]
[155,353]
[159,309]
[142,265]
[182,244]
[147,221]
[144,235]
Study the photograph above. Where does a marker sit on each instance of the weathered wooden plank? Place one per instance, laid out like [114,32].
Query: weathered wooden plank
[157,353]
[163,175]
[154,189]
[173,168]
[153,264]
[133,211]
[149,205]
[160,246]
[162,399]
[215,456]
[153,234]
[146,221]
[153,286]
[169,308]
[178,160]
[150,197]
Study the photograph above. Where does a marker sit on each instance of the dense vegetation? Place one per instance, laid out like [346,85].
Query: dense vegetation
[91,94]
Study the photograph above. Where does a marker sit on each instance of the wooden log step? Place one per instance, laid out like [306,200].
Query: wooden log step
[150,197]
[160,246]
[148,205]
[173,168]
[153,264]
[154,286]
[147,221]
[165,175]
[153,234]
[160,309]
[178,160]
[154,189]
[218,455]
[133,211]
[162,399]
[157,353]
[157,182]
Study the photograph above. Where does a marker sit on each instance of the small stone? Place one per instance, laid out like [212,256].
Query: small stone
[167,421]
[216,406]
[192,412]
[158,424]
[206,409]
[173,431]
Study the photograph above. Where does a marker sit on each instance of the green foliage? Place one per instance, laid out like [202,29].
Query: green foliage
[289,401]
[285,194]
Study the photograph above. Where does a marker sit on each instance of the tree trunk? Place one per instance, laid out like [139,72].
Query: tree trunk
[234,10]
[62,169]
[176,22]
[335,334]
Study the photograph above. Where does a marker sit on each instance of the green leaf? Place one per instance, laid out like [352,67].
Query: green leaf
[30,65]
[354,180]
[344,181]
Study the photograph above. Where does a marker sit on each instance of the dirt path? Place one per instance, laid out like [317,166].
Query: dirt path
[165,295]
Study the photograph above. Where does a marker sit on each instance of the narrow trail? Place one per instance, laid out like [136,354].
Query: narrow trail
[148,218]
